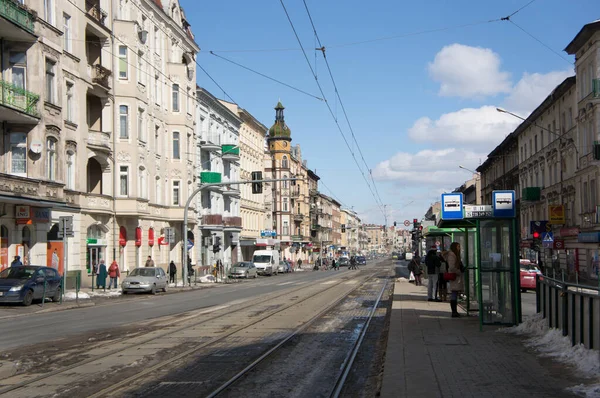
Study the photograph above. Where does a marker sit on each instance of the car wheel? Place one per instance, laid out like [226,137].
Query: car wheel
[28,299]
[165,288]
[153,290]
[56,297]
[523,290]
[124,292]
[247,275]
[255,275]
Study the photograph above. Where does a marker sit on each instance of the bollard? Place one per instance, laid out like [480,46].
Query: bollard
[537,293]
[565,310]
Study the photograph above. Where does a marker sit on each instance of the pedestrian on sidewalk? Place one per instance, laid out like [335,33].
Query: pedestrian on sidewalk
[16,262]
[114,273]
[149,262]
[432,262]
[442,283]
[334,264]
[299,263]
[172,272]
[190,272]
[101,276]
[415,267]
[457,285]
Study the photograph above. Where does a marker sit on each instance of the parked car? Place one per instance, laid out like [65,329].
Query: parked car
[244,269]
[527,275]
[283,267]
[23,284]
[361,260]
[343,262]
[145,280]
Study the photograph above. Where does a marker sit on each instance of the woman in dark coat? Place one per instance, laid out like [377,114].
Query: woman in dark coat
[102,274]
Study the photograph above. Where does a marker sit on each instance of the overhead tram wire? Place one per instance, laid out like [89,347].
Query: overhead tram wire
[332,194]
[266,77]
[327,103]
[322,48]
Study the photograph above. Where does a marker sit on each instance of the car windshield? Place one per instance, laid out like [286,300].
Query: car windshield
[17,273]
[143,272]
[529,267]
[261,259]
[360,258]
[240,265]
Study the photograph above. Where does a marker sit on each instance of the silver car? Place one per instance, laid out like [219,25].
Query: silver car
[244,269]
[146,280]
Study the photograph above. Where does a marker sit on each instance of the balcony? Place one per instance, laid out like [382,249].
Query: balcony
[230,152]
[99,139]
[101,75]
[210,177]
[313,192]
[531,193]
[93,10]
[315,227]
[17,23]
[297,238]
[210,142]
[298,217]
[18,105]
[212,220]
[295,193]
[232,222]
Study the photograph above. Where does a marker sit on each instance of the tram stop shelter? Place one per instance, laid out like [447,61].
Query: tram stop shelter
[488,238]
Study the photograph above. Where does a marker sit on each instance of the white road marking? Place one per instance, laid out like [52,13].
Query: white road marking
[285,283]
[329,282]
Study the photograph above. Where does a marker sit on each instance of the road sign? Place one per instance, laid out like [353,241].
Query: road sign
[169,235]
[437,243]
[548,237]
[539,226]
[65,227]
[504,203]
[452,206]
[406,223]
[190,244]
[559,244]
[484,211]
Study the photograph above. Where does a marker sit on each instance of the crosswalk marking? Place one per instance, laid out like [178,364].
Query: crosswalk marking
[329,282]
[284,283]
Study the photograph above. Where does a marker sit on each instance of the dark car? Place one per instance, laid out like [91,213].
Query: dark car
[361,260]
[25,283]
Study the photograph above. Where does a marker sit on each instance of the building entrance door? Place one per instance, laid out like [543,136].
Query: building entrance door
[93,257]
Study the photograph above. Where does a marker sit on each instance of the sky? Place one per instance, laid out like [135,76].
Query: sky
[419,82]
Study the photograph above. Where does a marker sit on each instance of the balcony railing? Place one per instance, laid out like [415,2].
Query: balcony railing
[531,193]
[95,12]
[99,138]
[210,177]
[230,150]
[232,222]
[298,217]
[294,193]
[101,75]
[18,98]
[12,11]
[212,219]
[297,238]
[596,88]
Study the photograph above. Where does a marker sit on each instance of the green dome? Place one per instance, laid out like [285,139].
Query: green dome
[279,128]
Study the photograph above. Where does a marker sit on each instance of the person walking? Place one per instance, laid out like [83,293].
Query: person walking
[442,283]
[353,262]
[149,262]
[114,273]
[334,264]
[415,267]
[432,262]
[101,276]
[172,272]
[190,272]
[299,263]
[16,262]
[457,285]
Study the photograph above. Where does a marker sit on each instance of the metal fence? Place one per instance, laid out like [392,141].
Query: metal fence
[572,308]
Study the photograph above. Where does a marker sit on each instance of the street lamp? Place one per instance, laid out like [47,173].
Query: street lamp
[472,171]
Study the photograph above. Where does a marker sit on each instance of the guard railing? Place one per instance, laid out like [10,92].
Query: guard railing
[570,307]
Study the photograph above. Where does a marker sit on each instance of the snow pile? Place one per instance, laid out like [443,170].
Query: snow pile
[102,293]
[71,296]
[552,344]
[209,279]
[401,279]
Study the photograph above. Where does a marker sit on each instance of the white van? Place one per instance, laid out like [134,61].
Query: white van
[266,261]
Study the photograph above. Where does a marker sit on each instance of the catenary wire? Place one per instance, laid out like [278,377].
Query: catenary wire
[340,100]
[326,102]
[541,42]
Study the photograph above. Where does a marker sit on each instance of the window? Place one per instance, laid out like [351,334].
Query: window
[592,195]
[176,193]
[124,180]
[50,83]
[188,101]
[284,162]
[143,188]
[140,123]
[122,62]
[18,152]
[535,143]
[285,228]
[570,121]
[49,11]
[542,139]
[69,104]
[158,192]
[550,174]
[157,139]
[285,205]
[141,72]
[175,97]
[156,40]
[67,32]
[123,122]
[585,198]
[285,183]
[176,146]
[18,65]
[70,170]
[156,90]
[51,158]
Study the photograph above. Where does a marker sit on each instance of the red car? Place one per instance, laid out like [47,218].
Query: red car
[528,272]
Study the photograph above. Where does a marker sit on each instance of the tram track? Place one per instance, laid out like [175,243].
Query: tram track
[185,322]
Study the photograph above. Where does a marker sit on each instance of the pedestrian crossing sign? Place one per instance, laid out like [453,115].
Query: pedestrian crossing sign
[547,237]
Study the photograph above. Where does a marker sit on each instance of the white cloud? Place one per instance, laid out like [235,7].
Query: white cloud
[467,72]
[482,128]
[532,89]
[428,167]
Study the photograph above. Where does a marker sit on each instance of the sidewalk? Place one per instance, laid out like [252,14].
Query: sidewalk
[432,355]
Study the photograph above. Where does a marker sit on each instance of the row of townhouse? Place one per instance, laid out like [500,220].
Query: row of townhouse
[102,121]
[552,160]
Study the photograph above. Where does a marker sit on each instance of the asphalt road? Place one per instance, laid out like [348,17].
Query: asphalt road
[36,328]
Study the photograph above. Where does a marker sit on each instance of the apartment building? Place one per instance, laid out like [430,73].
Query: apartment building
[376,238]
[350,232]
[218,156]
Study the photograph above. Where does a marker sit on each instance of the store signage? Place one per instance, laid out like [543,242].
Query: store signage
[559,244]
[41,215]
[484,211]
[556,214]
[22,214]
[268,233]
[588,237]
[565,232]
[525,244]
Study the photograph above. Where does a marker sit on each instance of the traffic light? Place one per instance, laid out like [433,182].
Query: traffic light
[394,223]
[343,228]
[415,221]
[537,240]
[257,186]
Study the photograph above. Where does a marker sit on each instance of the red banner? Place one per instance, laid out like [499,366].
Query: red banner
[573,231]
[151,237]
[138,236]
[122,236]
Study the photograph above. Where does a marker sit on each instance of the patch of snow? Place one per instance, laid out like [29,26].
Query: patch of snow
[582,290]
[102,293]
[401,279]
[552,344]
[208,279]
[71,296]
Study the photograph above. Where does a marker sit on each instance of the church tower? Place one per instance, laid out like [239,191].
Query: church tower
[279,142]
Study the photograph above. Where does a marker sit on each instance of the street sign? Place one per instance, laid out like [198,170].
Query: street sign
[190,244]
[484,211]
[406,223]
[548,237]
[504,203]
[452,206]
[559,244]
[65,227]
[437,243]
[539,226]
[169,235]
